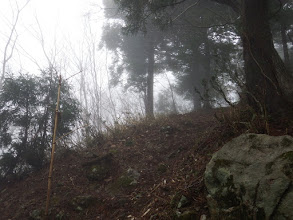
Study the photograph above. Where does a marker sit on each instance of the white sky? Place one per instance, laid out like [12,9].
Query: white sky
[62,24]
[70,29]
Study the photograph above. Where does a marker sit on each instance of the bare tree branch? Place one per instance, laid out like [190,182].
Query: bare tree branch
[6,55]
[185,10]
[42,41]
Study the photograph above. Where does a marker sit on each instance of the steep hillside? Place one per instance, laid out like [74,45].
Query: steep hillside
[147,170]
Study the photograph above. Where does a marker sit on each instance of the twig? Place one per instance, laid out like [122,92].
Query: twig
[84,126]
[189,7]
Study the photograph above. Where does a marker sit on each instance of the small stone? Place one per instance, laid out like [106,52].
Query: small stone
[133,173]
[78,208]
[183,202]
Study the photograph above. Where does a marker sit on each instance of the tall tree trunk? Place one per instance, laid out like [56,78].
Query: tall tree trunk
[26,127]
[285,46]
[174,108]
[207,67]
[196,101]
[150,79]
[268,83]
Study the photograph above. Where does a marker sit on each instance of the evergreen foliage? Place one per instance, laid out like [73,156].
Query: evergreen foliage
[266,82]
[27,109]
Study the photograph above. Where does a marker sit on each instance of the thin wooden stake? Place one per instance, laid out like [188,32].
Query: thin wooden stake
[53,151]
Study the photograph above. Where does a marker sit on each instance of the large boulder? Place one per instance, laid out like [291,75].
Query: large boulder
[251,178]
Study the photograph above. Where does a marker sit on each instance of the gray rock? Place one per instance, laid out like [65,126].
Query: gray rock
[251,178]
[134,175]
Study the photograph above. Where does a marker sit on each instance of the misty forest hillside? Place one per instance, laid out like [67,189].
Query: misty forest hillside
[169,155]
[137,96]
[150,169]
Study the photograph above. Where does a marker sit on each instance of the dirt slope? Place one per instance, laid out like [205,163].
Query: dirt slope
[149,170]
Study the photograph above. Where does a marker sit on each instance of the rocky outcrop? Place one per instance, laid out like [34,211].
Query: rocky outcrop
[251,178]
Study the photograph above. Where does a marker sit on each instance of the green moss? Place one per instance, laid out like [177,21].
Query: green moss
[98,172]
[113,151]
[183,202]
[100,168]
[121,183]
[80,203]
[288,156]
[226,194]
[124,181]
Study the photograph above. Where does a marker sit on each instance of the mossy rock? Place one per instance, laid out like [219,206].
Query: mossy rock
[251,177]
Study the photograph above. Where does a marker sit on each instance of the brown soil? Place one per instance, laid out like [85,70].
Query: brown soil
[170,154]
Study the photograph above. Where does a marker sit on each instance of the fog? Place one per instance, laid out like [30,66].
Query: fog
[120,70]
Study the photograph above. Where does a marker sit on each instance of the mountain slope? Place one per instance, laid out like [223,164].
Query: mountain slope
[147,170]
